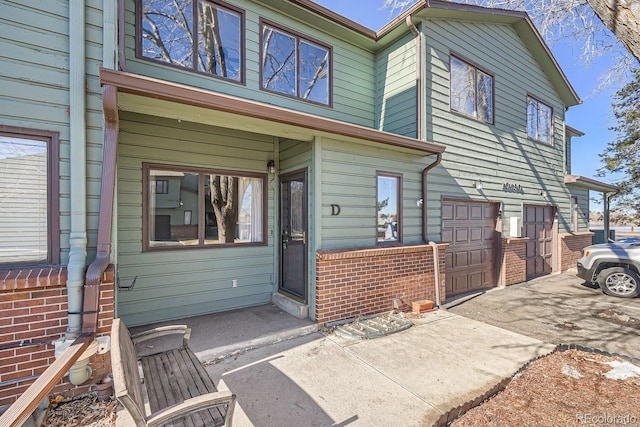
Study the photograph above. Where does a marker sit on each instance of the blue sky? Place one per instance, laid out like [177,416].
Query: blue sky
[594,117]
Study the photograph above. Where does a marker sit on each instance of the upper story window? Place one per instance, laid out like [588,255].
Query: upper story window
[29,204]
[389,222]
[471,90]
[192,207]
[294,65]
[539,121]
[200,35]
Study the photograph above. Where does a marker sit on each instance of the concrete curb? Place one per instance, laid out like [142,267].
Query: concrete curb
[209,356]
[454,413]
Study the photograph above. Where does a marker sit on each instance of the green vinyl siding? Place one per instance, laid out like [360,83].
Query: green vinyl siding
[396,88]
[353,68]
[349,180]
[182,283]
[495,154]
[34,76]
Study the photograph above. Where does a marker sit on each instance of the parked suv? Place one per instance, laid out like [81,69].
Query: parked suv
[614,267]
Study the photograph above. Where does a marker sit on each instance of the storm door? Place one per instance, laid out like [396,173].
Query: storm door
[293,229]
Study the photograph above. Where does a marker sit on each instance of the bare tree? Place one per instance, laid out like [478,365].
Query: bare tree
[599,26]
[224,200]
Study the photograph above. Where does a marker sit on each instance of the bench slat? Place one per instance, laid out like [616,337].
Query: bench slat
[174,376]
[177,384]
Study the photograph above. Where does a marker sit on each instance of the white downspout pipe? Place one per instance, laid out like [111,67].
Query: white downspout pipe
[77,157]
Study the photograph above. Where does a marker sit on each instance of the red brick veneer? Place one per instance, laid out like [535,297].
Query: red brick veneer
[571,245]
[353,282]
[33,304]
[514,262]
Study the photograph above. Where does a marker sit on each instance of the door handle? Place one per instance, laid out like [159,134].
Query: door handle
[304,237]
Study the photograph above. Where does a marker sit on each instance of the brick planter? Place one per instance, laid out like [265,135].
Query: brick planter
[355,282]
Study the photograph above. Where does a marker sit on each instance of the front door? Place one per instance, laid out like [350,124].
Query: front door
[293,229]
[538,226]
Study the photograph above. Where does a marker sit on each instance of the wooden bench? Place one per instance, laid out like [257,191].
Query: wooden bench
[178,389]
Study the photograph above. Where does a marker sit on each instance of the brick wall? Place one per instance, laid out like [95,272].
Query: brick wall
[357,282]
[514,263]
[33,304]
[571,245]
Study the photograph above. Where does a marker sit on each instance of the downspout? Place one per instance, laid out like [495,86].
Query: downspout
[434,245]
[419,66]
[420,134]
[77,160]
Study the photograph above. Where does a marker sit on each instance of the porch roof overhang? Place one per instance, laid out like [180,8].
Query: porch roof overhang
[152,96]
[591,184]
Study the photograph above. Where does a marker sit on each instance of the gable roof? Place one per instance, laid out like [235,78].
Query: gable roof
[349,30]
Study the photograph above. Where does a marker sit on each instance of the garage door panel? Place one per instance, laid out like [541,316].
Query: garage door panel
[462,235]
[476,234]
[470,255]
[447,211]
[447,234]
[461,259]
[476,257]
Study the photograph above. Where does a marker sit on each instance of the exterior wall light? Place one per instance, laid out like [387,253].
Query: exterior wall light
[478,185]
[271,166]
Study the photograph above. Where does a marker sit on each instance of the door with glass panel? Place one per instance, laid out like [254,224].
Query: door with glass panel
[293,229]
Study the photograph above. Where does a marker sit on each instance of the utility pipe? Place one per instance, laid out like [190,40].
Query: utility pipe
[78,191]
[436,269]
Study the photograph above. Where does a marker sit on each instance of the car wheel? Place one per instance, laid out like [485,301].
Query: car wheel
[619,282]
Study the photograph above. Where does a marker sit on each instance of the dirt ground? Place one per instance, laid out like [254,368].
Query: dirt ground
[569,388]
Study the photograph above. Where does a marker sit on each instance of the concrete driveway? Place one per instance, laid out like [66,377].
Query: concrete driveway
[560,309]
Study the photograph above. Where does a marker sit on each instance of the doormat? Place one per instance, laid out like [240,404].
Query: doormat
[373,327]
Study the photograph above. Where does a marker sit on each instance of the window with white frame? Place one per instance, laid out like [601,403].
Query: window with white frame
[471,90]
[539,121]
[29,213]
[202,208]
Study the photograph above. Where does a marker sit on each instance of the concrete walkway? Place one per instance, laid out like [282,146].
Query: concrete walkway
[408,378]
[559,308]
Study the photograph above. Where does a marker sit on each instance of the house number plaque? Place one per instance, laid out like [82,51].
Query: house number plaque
[512,188]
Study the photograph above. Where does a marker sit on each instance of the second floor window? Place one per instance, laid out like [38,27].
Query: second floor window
[539,121]
[295,66]
[201,35]
[471,90]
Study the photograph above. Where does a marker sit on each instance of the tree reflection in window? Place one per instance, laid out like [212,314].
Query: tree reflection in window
[539,121]
[209,41]
[294,66]
[224,209]
[471,91]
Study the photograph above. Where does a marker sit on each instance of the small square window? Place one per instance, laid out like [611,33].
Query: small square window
[471,90]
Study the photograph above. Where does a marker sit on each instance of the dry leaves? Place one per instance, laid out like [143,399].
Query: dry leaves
[566,388]
[82,411]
